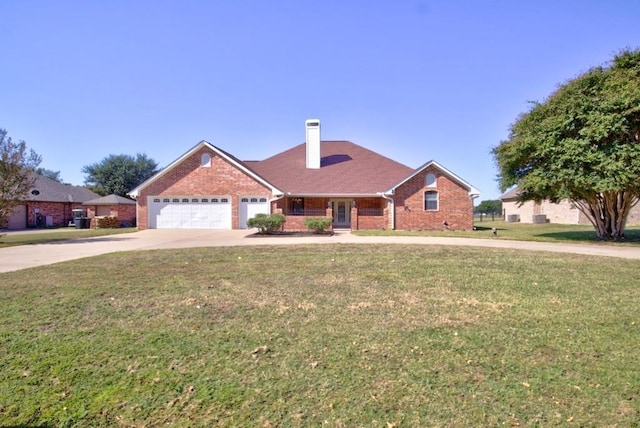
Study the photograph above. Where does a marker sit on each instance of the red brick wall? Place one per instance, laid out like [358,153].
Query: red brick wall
[364,215]
[124,213]
[455,206]
[190,179]
[60,211]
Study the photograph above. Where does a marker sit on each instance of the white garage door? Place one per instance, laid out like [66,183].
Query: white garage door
[249,207]
[181,212]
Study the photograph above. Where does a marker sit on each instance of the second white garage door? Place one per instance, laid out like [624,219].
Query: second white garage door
[249,207]
[202,212]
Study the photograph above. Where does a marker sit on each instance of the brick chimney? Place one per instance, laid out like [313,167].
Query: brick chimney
[313,143]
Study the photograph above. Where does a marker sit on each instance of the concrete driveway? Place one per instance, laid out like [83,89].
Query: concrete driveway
[26,256]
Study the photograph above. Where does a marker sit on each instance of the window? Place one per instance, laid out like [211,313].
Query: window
[224,200]
[245,200]
[194,200]
[204,200]
[166,200]
[185,200]
[205,160]
[176,200]
[431,201]
[214,200]
[263,199]
[156,199]
[254,199]
[430,180]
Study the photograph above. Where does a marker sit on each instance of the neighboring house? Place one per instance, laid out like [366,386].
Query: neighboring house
[359,189]
[124,209]
[562,212]
[49,204]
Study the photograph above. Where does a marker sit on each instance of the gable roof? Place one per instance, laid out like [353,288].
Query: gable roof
[511,194]
[228,157]
[472,190]
[345,169]
[49,190]
[110,200]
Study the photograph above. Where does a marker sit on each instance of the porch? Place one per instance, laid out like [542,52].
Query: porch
[346,213]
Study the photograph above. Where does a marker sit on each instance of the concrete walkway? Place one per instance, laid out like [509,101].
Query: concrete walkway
[26,256]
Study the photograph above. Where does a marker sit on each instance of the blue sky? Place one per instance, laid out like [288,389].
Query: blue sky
[414,80]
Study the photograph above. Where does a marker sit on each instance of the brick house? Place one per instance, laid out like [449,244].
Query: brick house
[49,204]
[561,212]
[356,187]
[124,209]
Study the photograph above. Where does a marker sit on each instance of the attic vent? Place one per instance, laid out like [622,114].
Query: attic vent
[35,192]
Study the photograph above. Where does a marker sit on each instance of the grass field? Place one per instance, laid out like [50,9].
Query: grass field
[333,335]
[52,235]
[549,232]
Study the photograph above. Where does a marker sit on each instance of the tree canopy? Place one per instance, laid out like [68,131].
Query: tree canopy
[581,144]
[119,174]
[52,175]
[17,166]
[489,207]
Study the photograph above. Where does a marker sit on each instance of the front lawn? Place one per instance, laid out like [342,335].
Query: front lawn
[52,235]
[335,335]
[549,232]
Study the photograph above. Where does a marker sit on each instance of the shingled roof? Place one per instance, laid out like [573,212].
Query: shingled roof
[110,200]
[47,190]
[345,169]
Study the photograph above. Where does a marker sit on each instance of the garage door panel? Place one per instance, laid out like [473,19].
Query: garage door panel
[210,212]
[249,207]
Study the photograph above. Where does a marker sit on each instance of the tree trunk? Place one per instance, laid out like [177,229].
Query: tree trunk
[608,213]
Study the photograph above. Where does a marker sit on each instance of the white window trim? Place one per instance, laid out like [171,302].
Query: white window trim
[437,200]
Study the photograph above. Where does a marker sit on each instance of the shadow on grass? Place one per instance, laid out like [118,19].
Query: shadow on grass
[631,236]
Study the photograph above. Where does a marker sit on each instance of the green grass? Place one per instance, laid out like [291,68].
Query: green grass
[548,232]
[334,335]
[53,235]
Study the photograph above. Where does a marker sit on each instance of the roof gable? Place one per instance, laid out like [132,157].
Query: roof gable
[228,157]
[345,169]
[472,190]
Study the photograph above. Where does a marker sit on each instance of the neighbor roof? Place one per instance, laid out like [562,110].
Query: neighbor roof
[111,200]
[345,169]
[512,194]
[52,191]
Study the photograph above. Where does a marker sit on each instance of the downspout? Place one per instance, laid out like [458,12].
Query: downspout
[393,209]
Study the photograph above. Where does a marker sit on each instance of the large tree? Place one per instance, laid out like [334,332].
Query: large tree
[17,166]
[119,174]
[581,144]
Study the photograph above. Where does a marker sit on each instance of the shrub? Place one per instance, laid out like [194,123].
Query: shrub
[318,224]
[265,223]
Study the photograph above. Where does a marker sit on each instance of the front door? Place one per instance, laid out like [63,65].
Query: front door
[342,213]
